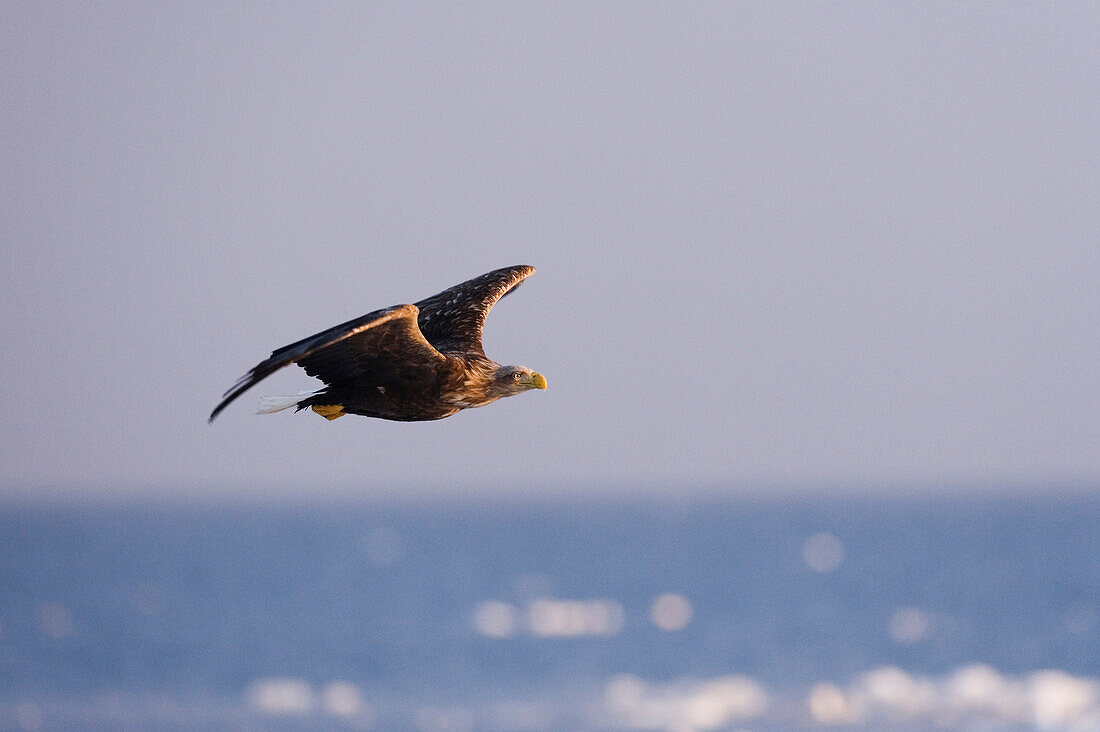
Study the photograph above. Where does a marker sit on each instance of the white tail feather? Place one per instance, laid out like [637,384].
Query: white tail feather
[272,404]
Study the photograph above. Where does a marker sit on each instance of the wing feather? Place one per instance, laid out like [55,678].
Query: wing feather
[452,321]
[393,327]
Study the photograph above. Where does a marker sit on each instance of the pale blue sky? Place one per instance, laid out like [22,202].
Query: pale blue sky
[780,245]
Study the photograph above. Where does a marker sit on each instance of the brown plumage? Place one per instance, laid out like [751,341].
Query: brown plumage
[407,362]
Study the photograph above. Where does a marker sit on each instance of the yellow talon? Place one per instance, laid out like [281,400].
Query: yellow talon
[329,411]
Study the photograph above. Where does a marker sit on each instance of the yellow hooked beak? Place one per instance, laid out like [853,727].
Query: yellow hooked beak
[538,381]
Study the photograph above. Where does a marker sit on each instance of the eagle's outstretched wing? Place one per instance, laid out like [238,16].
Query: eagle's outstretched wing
[453,319]
[394,350]
[384,337]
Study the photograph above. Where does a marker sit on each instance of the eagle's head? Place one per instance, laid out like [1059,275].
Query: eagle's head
[512,380]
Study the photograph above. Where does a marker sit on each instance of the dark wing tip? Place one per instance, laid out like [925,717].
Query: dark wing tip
[243,384]
[217,410]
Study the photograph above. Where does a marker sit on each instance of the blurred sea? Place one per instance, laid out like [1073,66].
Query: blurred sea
[743,615]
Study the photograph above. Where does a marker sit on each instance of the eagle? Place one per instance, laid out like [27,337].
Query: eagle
[410,363]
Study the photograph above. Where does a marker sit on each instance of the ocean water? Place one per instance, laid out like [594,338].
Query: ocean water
[741,615]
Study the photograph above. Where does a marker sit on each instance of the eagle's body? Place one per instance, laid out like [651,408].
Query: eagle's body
[408,362]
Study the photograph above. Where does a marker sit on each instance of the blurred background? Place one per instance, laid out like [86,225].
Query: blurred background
[816,300]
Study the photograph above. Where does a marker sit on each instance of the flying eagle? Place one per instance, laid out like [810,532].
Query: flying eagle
[407,362]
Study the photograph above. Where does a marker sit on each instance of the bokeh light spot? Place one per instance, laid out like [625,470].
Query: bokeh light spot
[823,552]
[909,625]
[828,705]
[550,617]
[342,699]
[495,619]
[670,612]
[281,697]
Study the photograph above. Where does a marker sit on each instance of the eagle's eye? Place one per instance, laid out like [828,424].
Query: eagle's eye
[517,376]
